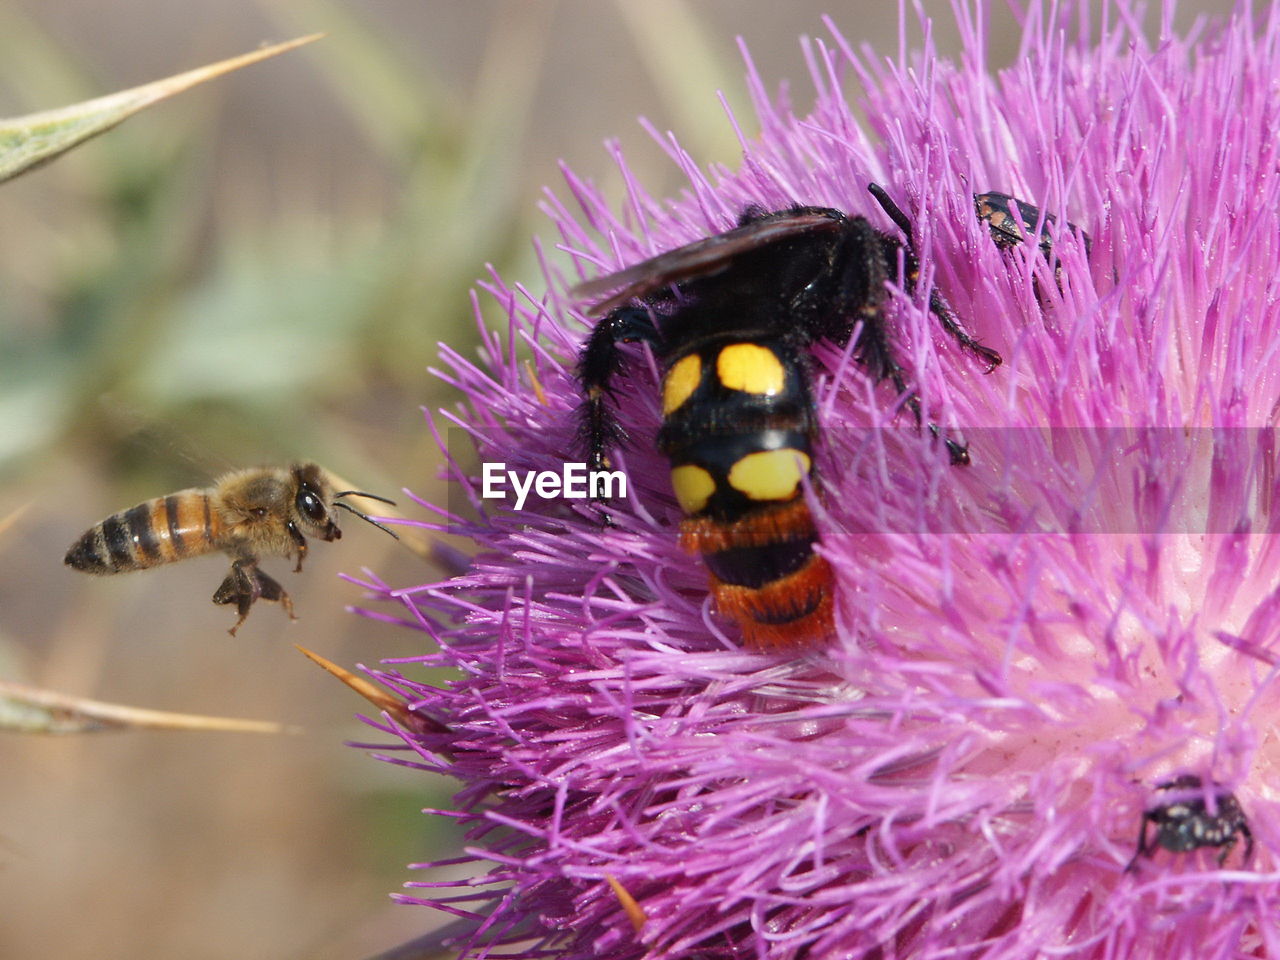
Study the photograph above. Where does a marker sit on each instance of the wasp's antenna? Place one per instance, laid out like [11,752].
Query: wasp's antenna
[365,517]
[368,496]
[892,209]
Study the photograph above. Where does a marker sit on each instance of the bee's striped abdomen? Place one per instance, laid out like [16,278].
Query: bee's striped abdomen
[183,524]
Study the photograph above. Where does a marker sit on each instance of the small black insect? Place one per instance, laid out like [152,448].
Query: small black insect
[731,319]
[1185,823]
[1012,220]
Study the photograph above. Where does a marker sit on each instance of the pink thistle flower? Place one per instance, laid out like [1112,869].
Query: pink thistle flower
[1031,650]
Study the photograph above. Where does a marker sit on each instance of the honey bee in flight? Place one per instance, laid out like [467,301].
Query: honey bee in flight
[247,514]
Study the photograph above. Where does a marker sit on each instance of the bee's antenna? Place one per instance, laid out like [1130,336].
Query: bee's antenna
[368,496]
[365,517]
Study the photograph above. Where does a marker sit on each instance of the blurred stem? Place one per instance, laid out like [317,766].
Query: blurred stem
[465,214]
[461,159]
[686,66]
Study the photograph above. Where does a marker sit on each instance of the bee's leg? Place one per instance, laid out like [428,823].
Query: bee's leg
[244,585]
[598,362]
[270,589]
[300,542]
[241,588]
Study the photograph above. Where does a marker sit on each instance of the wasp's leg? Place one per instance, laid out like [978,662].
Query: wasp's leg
[853,291]
[880,347]
[877,352]
[850,292]
[244,585]
[949,322]
[911,268]
[599,361]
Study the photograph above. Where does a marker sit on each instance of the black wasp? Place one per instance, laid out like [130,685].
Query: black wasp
[731,319]
[1185,823]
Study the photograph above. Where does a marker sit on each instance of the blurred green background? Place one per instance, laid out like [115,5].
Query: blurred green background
[258,271]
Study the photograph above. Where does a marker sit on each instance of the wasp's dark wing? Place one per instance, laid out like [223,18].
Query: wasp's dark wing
[704,258]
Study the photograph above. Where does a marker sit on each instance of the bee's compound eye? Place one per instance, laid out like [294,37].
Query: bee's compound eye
[310,506]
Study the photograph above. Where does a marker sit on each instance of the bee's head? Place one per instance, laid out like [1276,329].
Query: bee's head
[315,499]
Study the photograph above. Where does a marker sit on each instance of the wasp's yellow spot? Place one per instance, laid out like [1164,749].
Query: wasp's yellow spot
[751,368]
[693,487]
[681,381]
[770,474]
